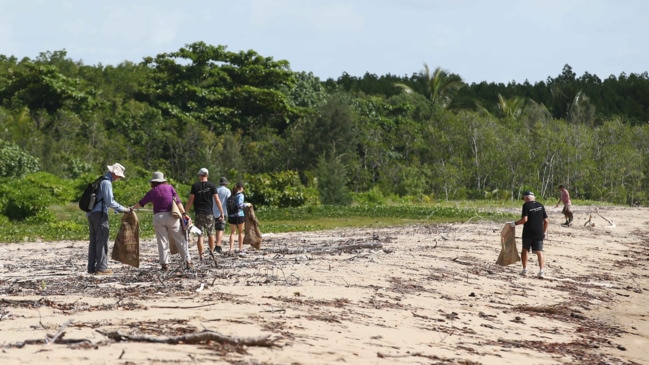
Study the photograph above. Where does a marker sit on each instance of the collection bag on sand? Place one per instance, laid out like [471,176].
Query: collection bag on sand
[508,253]
[252,233]
[127,243]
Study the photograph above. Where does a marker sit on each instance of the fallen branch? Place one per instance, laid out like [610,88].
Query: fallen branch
[59,333]
[194,338]
[326,250]
[606,219]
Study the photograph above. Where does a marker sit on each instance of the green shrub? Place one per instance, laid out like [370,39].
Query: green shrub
[21,201]
[281,189]
[372,196]
[14,162]
[60,190]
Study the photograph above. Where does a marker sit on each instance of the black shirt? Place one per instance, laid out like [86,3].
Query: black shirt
[203,192]
[535,213]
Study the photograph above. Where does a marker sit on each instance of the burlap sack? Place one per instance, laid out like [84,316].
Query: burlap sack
[173,248]
[127,243]
[175,211]
[252,233]
[508,252]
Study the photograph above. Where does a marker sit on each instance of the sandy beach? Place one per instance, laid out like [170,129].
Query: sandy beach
[425,294]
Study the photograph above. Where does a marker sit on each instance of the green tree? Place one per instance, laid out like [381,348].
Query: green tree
[220,89]
[331,175]
[440,86]
[334,129]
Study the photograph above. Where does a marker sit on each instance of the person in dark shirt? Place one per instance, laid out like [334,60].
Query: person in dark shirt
[203,195]
[535,224]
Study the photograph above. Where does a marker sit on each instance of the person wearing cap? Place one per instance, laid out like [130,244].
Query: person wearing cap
[167,227]
[219,225]
[535,224]
[567,205]
[98,223]
[203,195]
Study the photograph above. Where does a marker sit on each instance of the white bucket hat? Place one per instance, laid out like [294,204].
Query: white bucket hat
[117,169]
[158,177]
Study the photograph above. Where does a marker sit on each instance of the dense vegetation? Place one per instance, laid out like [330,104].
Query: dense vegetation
[300,141]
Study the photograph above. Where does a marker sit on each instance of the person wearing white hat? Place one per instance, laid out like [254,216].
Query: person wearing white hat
[168,229]
[98,223]
[535,224]
[203,195]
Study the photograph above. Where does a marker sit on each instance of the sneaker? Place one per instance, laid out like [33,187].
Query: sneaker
[218,250]
[541,274]
[242,254]
[104,272]
[164,267]
[523,272]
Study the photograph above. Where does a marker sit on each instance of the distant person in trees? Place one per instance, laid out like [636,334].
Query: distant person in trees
[567,205]
[219,225]
[203,195]
[236,217]
[98,221]
[168,229]
[535,224]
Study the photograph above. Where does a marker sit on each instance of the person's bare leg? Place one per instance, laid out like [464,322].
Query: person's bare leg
[524,259]
[539,254]
[240,229]
[233,227]
[219,238]
[199,245]
[211,242]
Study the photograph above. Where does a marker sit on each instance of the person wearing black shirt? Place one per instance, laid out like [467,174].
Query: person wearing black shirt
[202,195]
[535,224]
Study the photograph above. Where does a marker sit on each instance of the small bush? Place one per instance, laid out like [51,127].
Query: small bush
[14,162]
[281,189]
[372,196]
[22,201]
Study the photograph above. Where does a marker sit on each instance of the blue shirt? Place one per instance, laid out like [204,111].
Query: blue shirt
[105,198]
[224,194]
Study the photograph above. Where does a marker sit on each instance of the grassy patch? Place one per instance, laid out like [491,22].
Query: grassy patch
[71,223]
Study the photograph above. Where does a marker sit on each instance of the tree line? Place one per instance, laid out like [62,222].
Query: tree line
[250,117]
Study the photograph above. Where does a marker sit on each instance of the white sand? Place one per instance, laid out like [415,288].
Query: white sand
[422,295]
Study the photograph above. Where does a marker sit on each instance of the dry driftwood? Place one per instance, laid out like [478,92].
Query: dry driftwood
[194,338]
[606,219]
[59,333]
[324,249]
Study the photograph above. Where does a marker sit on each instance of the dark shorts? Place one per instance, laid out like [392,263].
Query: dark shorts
[205,222]
[236,220]
[219,225]
[532,244]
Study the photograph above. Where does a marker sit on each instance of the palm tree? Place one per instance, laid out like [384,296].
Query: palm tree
[440,87]
[511,108]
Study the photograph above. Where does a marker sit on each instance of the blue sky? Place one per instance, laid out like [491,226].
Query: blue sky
[493,41]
